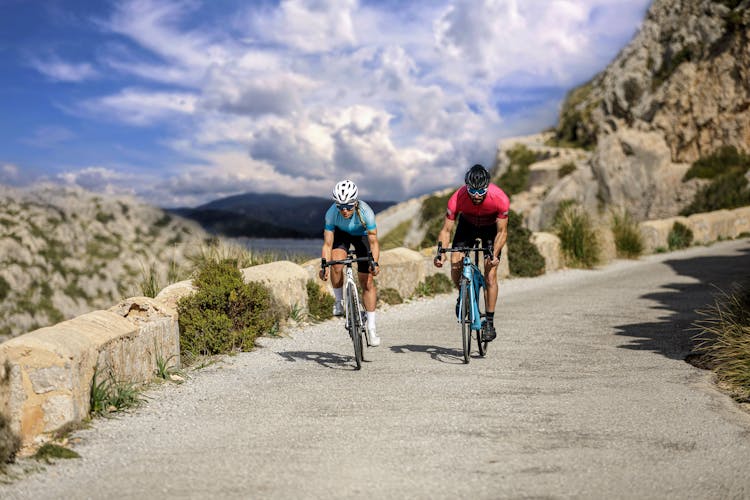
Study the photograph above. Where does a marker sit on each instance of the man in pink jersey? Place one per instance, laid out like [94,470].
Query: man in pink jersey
[482,211]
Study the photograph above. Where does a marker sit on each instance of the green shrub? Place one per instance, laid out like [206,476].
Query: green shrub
[432,215]
[225,314]
[724,337]
[390,296]
[578,238]
[524,257]
[433,230]
[49,451]
[680,236]
[575,127]
[433,285]
[516,178]
[726,191]
[10,443]
[319,302]
[395,237]
[721,161]
[104,217]
[566,170]
[4,288]
[628,239]
[726,167]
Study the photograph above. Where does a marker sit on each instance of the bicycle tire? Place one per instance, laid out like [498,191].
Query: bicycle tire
[355,329]
[481,343]
[465,320]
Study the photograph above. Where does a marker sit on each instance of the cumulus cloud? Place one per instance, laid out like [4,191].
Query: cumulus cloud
[296,94]
[309,25]
[101,180]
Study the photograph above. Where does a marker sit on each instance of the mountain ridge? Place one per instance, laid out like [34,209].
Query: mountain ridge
[266,215]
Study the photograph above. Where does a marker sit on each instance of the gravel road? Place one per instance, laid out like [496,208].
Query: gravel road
[585,394]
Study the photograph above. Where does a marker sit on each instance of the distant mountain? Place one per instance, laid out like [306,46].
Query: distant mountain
[265,215]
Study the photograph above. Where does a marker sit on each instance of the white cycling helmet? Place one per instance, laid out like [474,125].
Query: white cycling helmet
[345,192]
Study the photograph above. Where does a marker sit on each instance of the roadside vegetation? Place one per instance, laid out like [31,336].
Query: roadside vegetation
[679,237]
[225,314]
[578,238]
[433,285]
[524,259]
[432,215]
[574,126]
[516,178]
[395,237]
[723,340]
[628,239]
[726,168]
[319,302]
[10,443]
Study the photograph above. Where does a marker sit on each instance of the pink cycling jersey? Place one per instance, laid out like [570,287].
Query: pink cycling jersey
[495,206]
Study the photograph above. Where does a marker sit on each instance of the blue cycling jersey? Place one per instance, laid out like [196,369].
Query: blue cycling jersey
[352,225]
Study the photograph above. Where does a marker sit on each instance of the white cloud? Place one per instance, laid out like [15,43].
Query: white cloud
[58,70]
[101,180]
[297,94]
[9,173]
[49,136]
[141,107]
[309,26]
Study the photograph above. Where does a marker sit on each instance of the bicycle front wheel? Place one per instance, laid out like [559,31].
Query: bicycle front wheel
[481,343]
[355,326]
[465,317]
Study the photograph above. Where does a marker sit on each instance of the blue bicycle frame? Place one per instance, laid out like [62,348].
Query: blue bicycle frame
[476,282]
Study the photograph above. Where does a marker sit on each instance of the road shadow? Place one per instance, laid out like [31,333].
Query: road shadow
[442,354]
[672,336]
[330,360]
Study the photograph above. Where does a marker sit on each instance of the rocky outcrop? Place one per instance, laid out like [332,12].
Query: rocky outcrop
[685,76]
[677,92]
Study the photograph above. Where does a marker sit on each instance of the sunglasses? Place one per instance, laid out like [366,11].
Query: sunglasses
[347,206]
[477,192]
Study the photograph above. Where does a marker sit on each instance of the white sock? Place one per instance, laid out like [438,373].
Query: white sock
[370,319]
[338,294]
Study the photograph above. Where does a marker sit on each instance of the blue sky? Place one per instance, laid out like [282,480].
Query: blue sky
[184,101]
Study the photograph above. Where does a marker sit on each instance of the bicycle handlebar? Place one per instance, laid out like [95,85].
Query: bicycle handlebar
[486,250]
[348,261]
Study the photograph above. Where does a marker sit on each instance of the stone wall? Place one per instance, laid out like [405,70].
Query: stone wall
[46,375]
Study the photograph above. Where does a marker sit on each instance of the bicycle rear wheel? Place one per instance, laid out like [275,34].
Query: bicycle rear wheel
[465,318]
[355,326]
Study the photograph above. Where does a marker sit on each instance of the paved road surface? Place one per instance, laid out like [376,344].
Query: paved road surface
[584,395]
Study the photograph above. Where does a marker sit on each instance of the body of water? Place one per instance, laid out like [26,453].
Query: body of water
[284,247]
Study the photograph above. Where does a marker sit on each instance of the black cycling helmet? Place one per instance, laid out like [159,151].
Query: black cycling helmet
[477,177]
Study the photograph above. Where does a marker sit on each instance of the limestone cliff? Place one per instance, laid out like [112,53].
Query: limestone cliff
[677,92]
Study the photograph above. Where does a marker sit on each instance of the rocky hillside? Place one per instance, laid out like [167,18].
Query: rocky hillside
[677,93]
[65,251]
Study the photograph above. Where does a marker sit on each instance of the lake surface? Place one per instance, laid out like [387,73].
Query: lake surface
[284,247]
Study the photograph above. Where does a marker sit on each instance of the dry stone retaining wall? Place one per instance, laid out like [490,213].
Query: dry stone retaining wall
[46,375]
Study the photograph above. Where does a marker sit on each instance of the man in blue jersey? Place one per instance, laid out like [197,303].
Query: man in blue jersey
[350,221]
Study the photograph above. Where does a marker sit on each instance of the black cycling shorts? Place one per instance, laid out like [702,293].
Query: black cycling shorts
[342,239]
[466,234]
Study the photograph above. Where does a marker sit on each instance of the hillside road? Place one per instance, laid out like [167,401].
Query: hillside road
[585,394]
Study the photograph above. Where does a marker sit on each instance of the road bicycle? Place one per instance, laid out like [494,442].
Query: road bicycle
[470,288]
[355,315]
